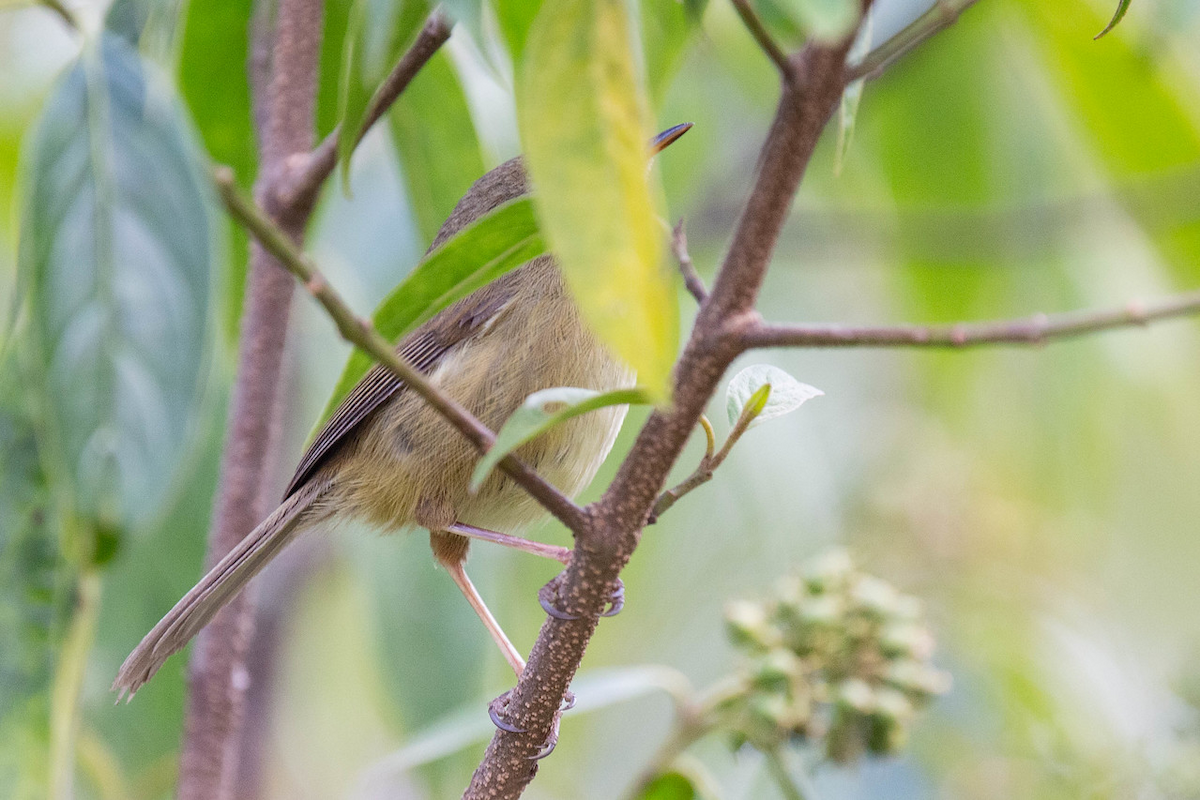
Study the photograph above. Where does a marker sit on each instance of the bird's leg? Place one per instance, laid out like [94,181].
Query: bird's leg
[451,552]
[560,554]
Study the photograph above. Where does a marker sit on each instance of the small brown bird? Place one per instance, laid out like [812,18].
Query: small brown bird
[386,457]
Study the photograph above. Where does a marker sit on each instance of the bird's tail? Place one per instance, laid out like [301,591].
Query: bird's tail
[219,586]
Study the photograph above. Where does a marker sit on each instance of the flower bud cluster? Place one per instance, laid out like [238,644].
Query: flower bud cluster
[837,658]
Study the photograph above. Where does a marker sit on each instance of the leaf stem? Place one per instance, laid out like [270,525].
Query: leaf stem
[361,333]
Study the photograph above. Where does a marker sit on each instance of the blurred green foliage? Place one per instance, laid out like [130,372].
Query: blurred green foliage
[1042,503]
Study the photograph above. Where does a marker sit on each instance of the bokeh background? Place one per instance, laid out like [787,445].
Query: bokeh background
[1042,502]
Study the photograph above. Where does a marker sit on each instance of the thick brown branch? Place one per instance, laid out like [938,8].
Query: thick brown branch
[616,520]
[1034,330]
[217,682]
[303,187]
[361,333]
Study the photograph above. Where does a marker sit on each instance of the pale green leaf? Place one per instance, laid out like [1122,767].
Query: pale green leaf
[824,20]
[542,411]
[584,128]
[515,18]
[353,92]
[785,394]
[117,247]
[496,243]
[1122,7]
[852,94]
[673,785]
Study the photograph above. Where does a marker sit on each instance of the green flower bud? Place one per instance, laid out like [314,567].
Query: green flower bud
[856,695]
[776,670]
[874,597]
[748,625]
[906,639]
[829,572]
[919,681]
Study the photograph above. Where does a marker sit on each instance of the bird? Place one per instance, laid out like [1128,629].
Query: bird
[389,459]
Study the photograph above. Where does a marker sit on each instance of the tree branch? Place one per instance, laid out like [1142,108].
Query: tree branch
[691,279]
[217,682]
[616,520]
[361,333]
[760,34]
[1037,329]
[303,187]
[941,15]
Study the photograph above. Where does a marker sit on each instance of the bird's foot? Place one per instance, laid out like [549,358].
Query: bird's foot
[548,596]
[497,707]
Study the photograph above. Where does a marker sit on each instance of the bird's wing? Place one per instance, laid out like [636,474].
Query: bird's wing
[424,348]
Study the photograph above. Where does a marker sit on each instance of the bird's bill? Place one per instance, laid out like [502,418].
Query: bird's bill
[667,137]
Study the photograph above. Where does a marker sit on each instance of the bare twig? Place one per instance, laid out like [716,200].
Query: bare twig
[760,34]
[302,188]
[691,279]
[615,522]
[248,490]
[361,333]
[1037,329]
[941,15]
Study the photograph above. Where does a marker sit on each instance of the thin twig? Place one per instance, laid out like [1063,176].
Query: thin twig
[941,15]
[302,188]
[701,475]
[691,279]
[760,34]
[1035,330]
[361,333]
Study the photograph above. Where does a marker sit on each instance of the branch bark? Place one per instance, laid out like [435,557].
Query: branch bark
[615,521]
[1037,329]
[217,680]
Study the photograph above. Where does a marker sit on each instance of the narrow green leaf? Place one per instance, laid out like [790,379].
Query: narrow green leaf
[1122,7]
[334,40]
[671,785]
[784,393]
[852,94]
[500,241]
[353,92]
[542,411]
[667,28]
[584,128]
[117,247]
[435,140]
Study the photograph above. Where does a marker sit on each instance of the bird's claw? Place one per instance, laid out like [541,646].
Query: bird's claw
[494,709]
[497,706]
[548,594]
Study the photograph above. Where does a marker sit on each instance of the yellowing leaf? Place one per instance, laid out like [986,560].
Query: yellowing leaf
[584,130]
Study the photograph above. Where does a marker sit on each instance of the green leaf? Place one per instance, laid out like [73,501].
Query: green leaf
[671,785]
[667,27]
[542,411]
[584,128]
[214,51]
[516,18]
[434,137]
[1122,7]
[852,94]
[117,249]
[353,91]
[335,37]
[496,243]
[784,394]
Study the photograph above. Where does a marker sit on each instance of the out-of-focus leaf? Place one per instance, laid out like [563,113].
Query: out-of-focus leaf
[213,55]
[353,92]
[435,139]
[825,20]
[515,18]
[666,29]
[852,94]
[117,248]
[786,393]
[148,25]
[1122,7]
[583,126]
[500,241]
[542,411]
[470,724]
[335,35]
[671,785]
[36,588]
